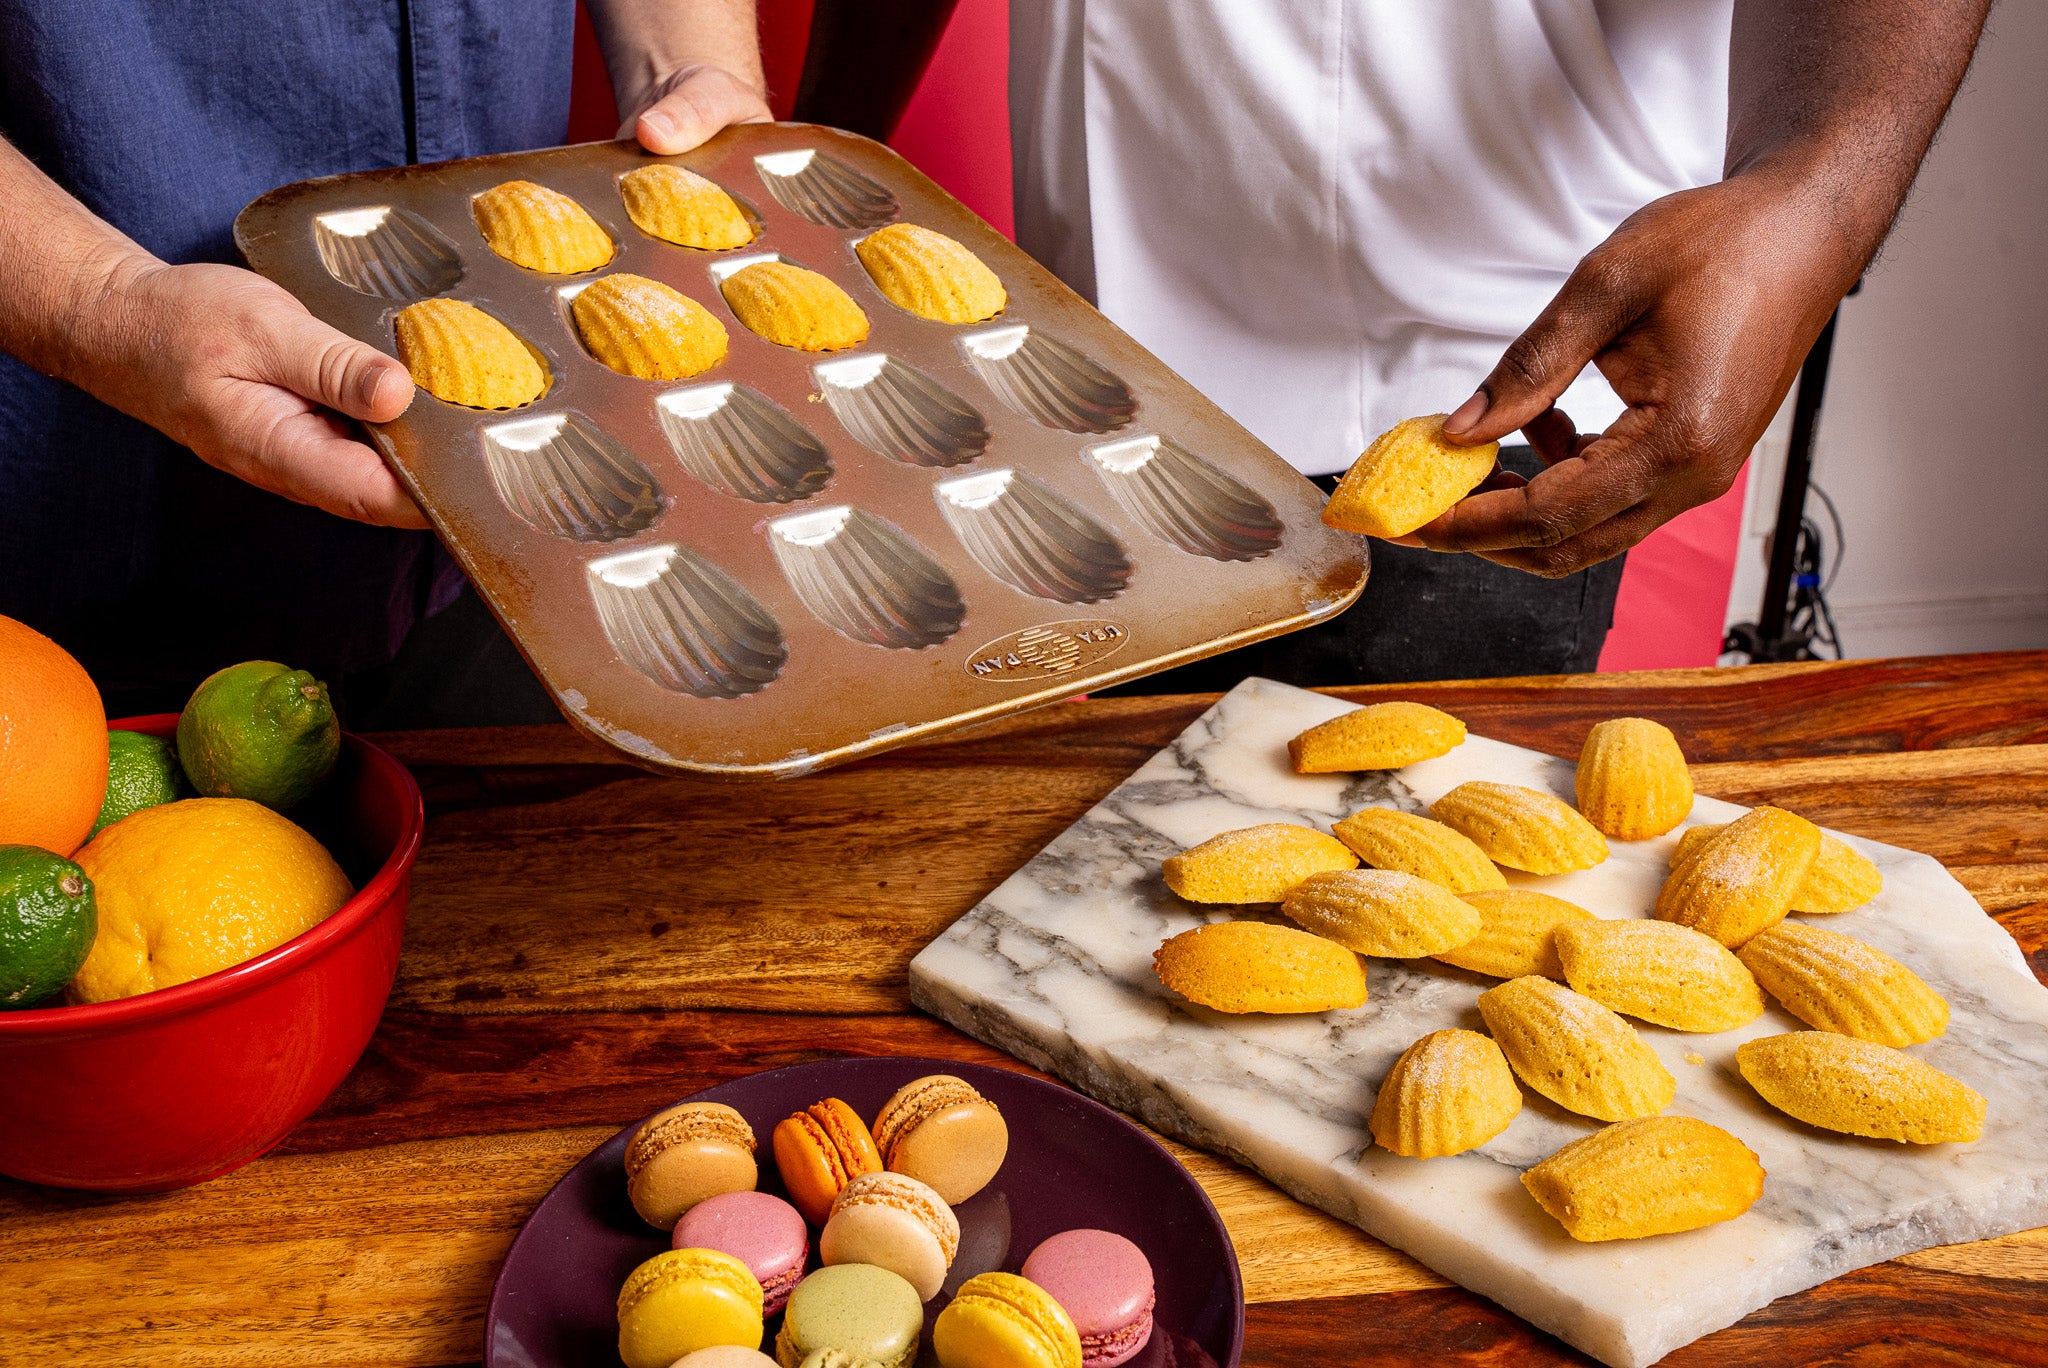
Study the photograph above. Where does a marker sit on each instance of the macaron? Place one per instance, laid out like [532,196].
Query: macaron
[1104,1284]
[893,1221]
[1000,1320]
[760,1230]
[859,1310]
[684,1300]
[819,1150]
[685,1153]
[943,1133]
[725,1356]
[836,1358]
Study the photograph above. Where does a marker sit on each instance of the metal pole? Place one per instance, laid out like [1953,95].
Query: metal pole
[1813,382]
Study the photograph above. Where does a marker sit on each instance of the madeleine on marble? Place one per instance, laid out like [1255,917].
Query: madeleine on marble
[793,307]
[1382,912]
[1407,477]
[1522,828]
[1653,1176]
[1632,781]
[1860,1087]
[646,329]
[461,355]
[541,229]
[1449,1092]
[680,206]
[1386,838]
[1257,967]
[1835,982]
[930,275]
[1664,973]
[1375,737]
[1256,864]
[1517,933]
[1576,1052]
[1743,877]
[1841,880]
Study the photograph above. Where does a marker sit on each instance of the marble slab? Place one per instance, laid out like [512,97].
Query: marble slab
[1055,967]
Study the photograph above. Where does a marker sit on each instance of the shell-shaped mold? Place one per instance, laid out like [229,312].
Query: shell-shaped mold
[1029,537]
[1048,381]
[738,440]
[386,252]
[900,411]
[686,624]
[1182,499]
[563,474]
[866,578]
[825,190]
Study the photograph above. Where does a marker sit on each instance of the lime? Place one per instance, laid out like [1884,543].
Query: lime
[142,771]
[47,922]
[261,731]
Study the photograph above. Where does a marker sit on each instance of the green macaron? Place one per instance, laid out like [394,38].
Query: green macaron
[858,1309]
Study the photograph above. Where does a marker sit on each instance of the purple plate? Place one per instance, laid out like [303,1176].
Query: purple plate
[1072,1163]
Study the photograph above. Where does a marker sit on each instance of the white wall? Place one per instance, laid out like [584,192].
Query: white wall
[1934,438]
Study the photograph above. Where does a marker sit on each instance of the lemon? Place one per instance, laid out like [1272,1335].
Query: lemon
[142,771]
[46,923]
[261,731]
[197,886]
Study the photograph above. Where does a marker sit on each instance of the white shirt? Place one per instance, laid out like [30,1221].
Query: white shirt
[1330,215]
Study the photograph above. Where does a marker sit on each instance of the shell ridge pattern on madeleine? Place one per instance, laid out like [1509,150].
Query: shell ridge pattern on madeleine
[1837,983]
[1256,864]
[794,307]
[462,355]
[1522,828]
[1743,878]
[1576,1052]
[1841,879]
[1377,736]
[1241,966]
[930,275]
[1517,933]
[541,229]
[1449,1092]
[1632,781]
[1654,1176]
[1387,838]
[1408,476]
[645,329]
[1860,1087]
[1664,973]
[1382,912]
[677,205]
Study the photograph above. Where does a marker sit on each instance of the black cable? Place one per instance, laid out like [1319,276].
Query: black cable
[1841,538]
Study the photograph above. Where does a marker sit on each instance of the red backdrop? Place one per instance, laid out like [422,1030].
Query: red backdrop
[957,130]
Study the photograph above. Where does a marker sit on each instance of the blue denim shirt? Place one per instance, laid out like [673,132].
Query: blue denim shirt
[165,119]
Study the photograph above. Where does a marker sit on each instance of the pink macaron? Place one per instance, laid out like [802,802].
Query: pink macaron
[1104,1282]
[759,1229]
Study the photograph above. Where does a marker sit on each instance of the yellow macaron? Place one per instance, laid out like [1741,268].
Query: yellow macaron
[684,1300]
[999,1320]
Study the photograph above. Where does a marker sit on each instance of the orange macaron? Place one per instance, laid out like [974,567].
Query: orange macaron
[819,1151]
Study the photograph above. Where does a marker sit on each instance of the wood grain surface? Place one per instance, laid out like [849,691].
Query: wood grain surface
[587,942]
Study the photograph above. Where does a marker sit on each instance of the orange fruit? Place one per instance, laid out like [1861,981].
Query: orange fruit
[53,743]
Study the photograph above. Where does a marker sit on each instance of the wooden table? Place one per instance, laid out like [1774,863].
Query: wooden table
[588,942]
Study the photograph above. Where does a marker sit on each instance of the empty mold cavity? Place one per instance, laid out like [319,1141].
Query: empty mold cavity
[1180,498]
[563,474]
[1048,381]
[737,440]
[866,579]
[686,624]
[900,411]
[1029,537]
[825,190]
[386,252]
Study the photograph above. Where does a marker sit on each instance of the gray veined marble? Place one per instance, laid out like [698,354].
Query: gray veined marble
[1056,968]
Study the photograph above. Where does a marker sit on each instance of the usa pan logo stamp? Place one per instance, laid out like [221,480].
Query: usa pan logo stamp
[1051,648]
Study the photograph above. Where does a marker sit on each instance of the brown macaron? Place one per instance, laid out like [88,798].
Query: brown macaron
[940,1131]
[684,1154]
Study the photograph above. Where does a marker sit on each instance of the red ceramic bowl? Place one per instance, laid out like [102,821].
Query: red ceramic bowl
[171,1088]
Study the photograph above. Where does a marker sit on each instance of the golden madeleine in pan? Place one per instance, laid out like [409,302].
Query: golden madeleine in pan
[794,307]
[541,229]
[930,275]
[461,355]
[680,206]
[646,329]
